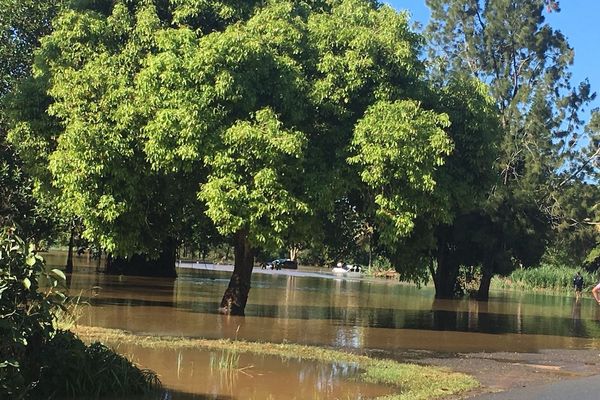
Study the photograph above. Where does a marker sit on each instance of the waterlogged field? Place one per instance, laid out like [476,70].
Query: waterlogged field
[222,374]
[312,308]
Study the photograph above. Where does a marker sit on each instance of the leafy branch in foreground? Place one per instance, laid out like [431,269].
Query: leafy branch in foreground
[36,359]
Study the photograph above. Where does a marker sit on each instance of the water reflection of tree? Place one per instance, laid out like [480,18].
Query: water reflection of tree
[577,326]
[342,304]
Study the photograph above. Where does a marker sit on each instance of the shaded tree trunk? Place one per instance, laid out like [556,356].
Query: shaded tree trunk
[69,266]
[142,265]
[235,297]
[446,275]
[484,286]
[99,261]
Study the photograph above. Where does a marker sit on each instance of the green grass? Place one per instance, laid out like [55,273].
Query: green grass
[228,360]
[413,382]
[544,277]
[66,317]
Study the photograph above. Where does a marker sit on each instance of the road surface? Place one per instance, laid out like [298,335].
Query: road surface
[576,389]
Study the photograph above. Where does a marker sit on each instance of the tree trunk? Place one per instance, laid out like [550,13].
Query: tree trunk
[432,272]
[445,275]
[69,266]
[99,261]
[235,297]
[484,286]
[227,253]
[370,252]
[294,250]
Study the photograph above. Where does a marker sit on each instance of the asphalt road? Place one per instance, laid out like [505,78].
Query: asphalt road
[576,389]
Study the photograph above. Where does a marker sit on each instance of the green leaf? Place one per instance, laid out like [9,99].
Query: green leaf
[59,273]
[26,283]
[30,260]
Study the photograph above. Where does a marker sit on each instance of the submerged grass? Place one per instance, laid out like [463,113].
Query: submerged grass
[229,360]
[413,382]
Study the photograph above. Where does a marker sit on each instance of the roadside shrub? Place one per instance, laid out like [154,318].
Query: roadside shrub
[36,359]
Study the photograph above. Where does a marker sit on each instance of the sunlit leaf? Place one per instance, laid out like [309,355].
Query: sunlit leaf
[26,283]
[30,260]
[59,273]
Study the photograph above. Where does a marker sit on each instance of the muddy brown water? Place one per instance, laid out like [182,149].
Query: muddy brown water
[196,374]
[316,308]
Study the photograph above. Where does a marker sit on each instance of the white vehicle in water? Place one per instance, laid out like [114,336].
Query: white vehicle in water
[347,269]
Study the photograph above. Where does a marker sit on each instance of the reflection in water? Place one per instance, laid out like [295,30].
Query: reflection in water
[578,327]
[287,306]
[253,377]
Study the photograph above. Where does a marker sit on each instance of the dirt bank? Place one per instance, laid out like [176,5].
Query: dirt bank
[504,371]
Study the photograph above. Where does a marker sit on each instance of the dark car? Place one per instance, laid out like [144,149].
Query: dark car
[287,263]
[280,263]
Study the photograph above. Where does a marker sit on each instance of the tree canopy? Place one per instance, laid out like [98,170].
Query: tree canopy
[260,117]
[525,63]
[274,123]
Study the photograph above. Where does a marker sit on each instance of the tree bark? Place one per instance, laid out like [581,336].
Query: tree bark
[99,261]
[445,275]
[370,251]
[484,286]
[69,266]
[235,297]
[294,250]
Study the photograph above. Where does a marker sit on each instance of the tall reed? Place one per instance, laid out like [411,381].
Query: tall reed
[545,276]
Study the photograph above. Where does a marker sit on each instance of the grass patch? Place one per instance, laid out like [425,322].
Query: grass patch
[414,382]
[67,316]
[544,277]
[229,360]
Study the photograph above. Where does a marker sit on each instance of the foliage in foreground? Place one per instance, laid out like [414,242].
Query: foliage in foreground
[36,359]
[413,382]
[26,313]
[70,368]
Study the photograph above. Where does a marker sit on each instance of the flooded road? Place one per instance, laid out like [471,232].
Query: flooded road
[319,309]
[337,312]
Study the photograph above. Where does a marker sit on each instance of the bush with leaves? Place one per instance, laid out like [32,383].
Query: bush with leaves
[26,312]
[72,369]
[37,360]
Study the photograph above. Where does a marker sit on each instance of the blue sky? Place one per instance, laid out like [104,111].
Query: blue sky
[577,21]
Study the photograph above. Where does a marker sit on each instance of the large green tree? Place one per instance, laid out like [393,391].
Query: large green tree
[93,156]
[311,75]
[525,62]
[576,205]
[463,187]
[260,115]
[22,24]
